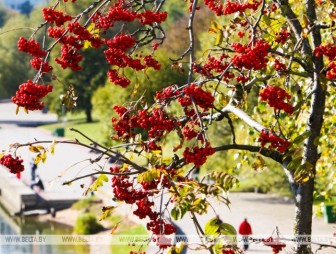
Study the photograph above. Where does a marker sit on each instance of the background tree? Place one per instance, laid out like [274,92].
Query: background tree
[278,51]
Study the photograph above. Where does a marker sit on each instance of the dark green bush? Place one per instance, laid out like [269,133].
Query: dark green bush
[87,224]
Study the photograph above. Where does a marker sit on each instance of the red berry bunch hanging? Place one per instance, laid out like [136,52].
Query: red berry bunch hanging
[125,124]
[232,7]
[70,58]
[189,131]
[228,251]
[148,17]
[202,98]
[29,95]
[214,66]
[115,78]
[329,51]
[156,122]
[275,97]
[282,36]
[13,164]
[279,66]
[115,13]
[55,17]
[167,93]
[31,47]
[275,244]
[251,57]
[124,190]
[275,142]
[38,64]
[151,62]
[198,155]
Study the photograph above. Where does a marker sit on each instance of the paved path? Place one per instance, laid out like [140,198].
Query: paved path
[263,211]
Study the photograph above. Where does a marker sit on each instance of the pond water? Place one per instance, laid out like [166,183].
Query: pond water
[17,226]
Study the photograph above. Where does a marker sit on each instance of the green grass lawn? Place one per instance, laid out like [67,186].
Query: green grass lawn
[79,123]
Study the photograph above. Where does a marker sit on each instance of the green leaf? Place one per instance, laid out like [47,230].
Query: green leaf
[302,137]
[149,175]
[227,229]
[212,227]
[99,182]
[294,164]
[106,212]
[176,213]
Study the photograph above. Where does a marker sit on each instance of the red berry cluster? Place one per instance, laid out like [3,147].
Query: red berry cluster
[197,155]
[228,251]
[151,62]
[275,142]
[55,17]
[125,124]
[116,55]
[275,97]
[251,57]
[202,98]
[213,66]
[124,190]
[73,1]
[69,58]
[115,13]
[31,47]
[282,36]
[30,94]
[13,164]
[230,7]
[82,34]
[329,51]
[167,93]
[155,122]
[275,244]
[118,12]
[279,66]
[38,64]
[148,17]
[189,131]
[242,79]
[115,78]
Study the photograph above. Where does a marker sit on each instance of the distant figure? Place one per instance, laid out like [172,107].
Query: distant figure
[33,168]
[38,182]
[245,230]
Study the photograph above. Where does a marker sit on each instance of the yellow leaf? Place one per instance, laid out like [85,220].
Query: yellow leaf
[34,149]
[212,31]
[106,212]
[17,110]
[44,156]
[52,148]
[219,38]
[114,229]
[216,26]
[305,21]
[179,247]
[37,159]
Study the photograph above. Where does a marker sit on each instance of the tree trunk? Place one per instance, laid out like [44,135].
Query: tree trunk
[88,113]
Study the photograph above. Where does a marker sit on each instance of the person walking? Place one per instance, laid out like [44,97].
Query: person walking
[245,230]
[33,168]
